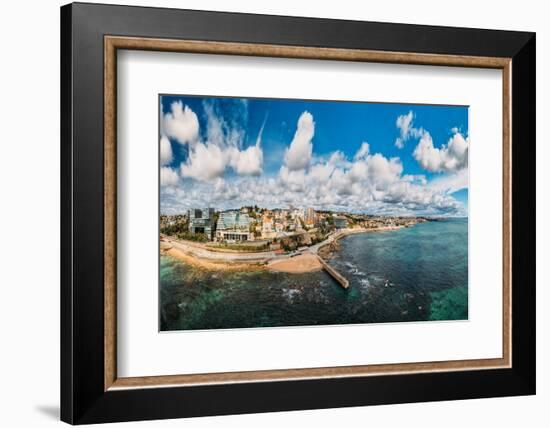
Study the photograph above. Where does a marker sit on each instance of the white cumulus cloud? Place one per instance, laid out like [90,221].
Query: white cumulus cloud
[383,171]
[295,180]
[222,148]
[168,177]
[374,184]
[205,162]
[208,161]
[405,125]
[451,183]
[450,157]
[363,151]
[166,155]
[246,162]
[181,123]
[407,129]
[298,154]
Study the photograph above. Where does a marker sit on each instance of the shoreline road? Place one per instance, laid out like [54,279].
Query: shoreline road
[201,251]
[334,237]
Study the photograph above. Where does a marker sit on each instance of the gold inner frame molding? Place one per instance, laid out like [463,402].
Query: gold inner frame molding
[113,43]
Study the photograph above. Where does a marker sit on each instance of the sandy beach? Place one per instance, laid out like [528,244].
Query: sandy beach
[206,264]
[299,264]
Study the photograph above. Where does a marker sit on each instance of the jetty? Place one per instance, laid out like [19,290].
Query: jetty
[334,273]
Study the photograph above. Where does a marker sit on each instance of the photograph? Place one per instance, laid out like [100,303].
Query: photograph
[293,212]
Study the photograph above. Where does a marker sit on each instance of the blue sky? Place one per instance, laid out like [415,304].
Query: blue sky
[401,159]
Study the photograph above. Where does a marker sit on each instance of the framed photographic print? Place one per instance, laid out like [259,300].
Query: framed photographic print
[266,213]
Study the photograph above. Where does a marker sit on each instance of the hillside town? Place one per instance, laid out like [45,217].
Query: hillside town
[254,228]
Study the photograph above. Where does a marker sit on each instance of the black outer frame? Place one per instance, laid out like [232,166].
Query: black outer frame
[83,399]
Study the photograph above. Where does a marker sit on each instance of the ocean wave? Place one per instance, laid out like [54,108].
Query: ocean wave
[364,282]
[291,293]
[354,269]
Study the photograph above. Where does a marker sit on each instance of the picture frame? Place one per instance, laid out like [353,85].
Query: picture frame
[91,390]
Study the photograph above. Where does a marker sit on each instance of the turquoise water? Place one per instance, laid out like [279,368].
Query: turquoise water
[414,274]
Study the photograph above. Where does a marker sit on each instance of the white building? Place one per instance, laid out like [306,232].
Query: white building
[234,226]
[268,228]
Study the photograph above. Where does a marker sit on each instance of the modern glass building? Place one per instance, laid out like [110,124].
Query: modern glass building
[233,226]
[201,220]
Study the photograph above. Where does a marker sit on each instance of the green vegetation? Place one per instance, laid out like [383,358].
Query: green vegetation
[174,229]
[318,237]
[197,237]
[241,247]
[181,231]
[290,243]
[325,229]
[252,229]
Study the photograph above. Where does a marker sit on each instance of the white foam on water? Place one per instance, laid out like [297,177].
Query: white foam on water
[290,293]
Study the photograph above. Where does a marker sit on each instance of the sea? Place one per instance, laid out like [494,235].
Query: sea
[419,273]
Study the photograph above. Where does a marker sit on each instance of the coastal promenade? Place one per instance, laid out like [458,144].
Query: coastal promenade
[305,260]
[200,251]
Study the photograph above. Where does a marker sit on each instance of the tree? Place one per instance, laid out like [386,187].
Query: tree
[174,229]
